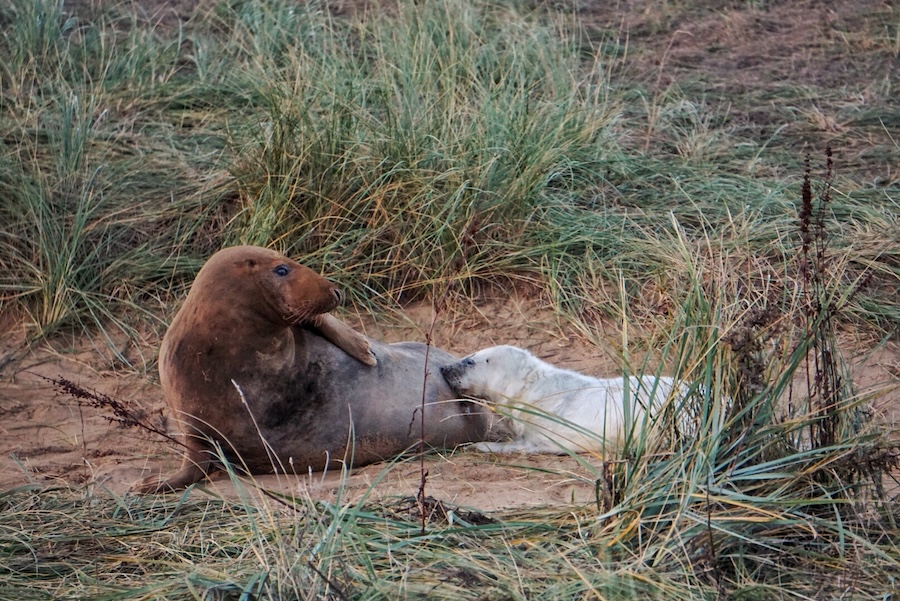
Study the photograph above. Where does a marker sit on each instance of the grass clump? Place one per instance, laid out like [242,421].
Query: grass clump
[94,214]
[448,131]
[774,464]
[397,150]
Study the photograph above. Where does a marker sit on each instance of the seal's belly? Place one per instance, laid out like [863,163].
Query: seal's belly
[334,408]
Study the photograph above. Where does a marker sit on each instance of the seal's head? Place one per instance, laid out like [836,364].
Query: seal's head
[274,287]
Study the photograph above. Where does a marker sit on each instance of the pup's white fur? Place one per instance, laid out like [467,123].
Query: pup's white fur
[553,409]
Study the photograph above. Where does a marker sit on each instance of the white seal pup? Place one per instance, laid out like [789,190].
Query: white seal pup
[554,409]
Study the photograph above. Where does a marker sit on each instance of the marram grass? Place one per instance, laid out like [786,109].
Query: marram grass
[62,544]
[446,143]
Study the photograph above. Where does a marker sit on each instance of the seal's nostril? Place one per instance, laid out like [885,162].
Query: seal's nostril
[338,295]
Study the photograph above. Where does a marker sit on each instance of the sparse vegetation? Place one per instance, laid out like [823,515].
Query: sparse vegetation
[450,145]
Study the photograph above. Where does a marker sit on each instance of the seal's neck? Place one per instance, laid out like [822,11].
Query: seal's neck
[226,331]
[277,352]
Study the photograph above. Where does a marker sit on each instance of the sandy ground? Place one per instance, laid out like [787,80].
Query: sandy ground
[48,438]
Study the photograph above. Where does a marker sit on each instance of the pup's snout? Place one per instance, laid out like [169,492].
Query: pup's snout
[338,295]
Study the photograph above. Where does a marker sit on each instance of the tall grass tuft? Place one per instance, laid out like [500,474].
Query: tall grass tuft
[415,128]
[385,149]
[773,465]
[98,221]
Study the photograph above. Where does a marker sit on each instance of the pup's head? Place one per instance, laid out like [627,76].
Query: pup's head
[491,373]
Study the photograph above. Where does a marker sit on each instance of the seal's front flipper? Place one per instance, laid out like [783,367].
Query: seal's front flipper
[344,337]
[194,468]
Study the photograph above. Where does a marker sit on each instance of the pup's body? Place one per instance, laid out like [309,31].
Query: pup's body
[554,409]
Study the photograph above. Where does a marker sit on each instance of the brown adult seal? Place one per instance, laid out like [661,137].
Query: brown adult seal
[254,321]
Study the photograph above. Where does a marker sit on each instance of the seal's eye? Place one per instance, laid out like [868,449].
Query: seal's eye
[281,270]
